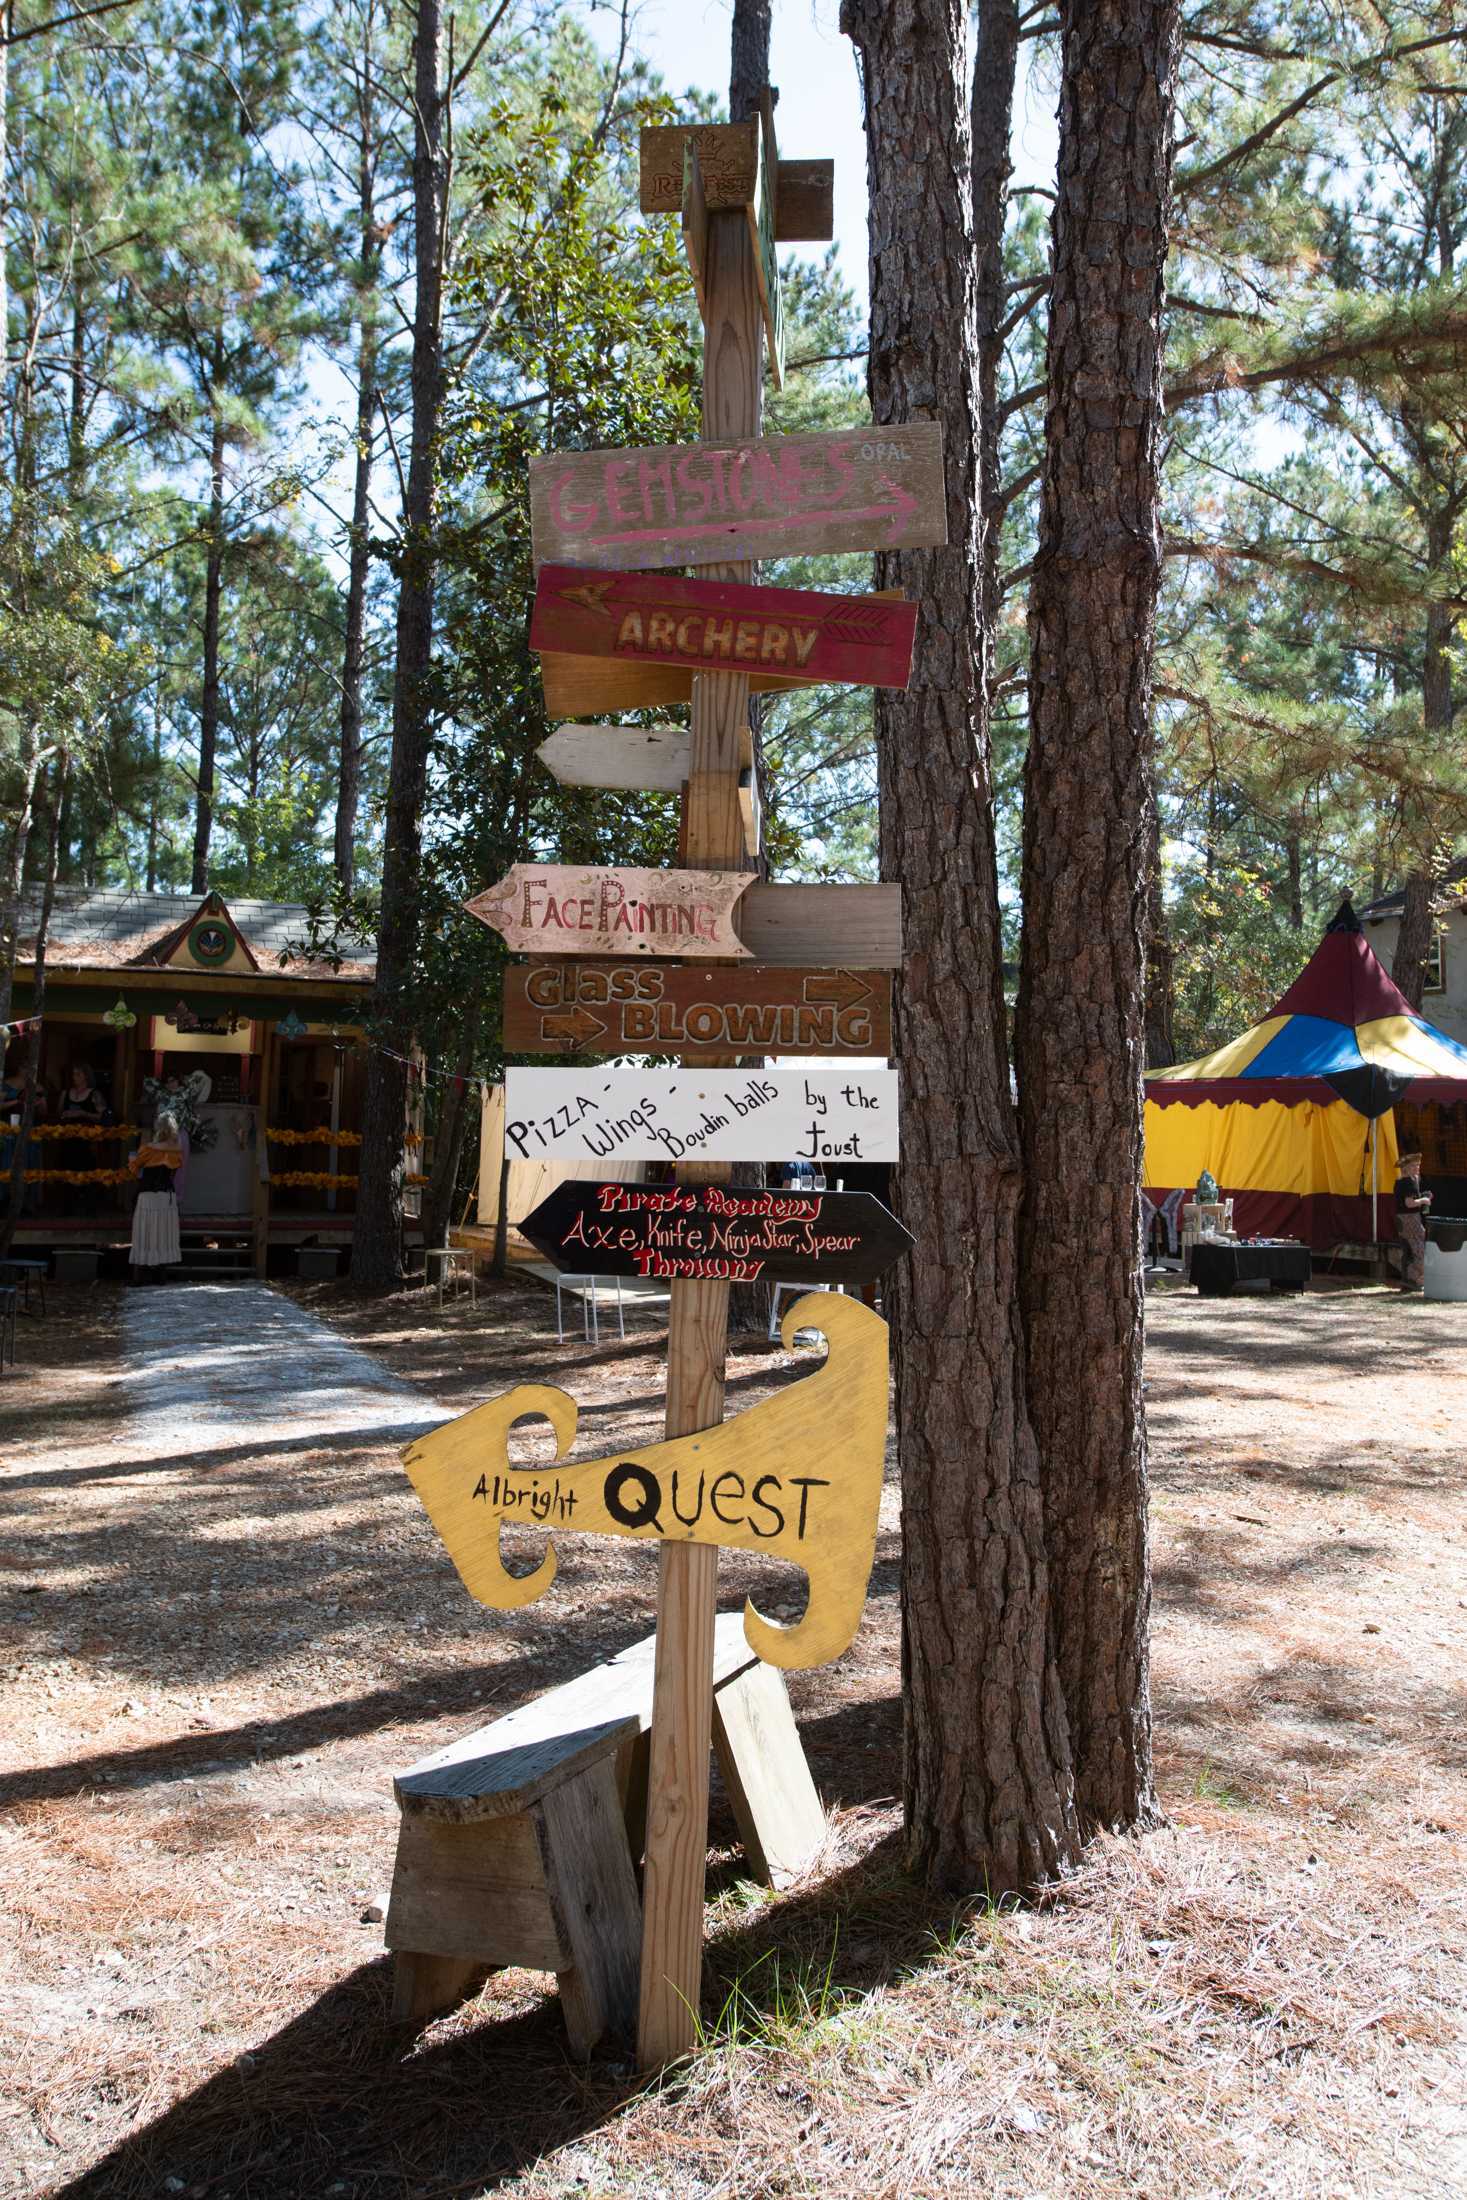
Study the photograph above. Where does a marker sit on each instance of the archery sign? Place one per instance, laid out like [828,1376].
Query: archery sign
[675,1231]
[798,1476]
[621,640]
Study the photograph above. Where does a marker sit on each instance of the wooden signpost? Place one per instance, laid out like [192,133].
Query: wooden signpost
[800,1474]
[578,909]
[798,1477]
[696,504]
[626,641]
[822,1116]
[669,1231]
[694,1014]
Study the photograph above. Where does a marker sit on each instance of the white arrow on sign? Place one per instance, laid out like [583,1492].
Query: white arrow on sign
[641,759]
[596,1115]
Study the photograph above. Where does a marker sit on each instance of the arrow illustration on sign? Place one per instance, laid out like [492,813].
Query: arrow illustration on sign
[573,1026]
[838,987]
[574,909]
[798,1476]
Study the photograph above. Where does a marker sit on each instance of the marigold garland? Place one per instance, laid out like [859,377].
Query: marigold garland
[84,1130]
[328,1138]
[325,1179]
[78,1176]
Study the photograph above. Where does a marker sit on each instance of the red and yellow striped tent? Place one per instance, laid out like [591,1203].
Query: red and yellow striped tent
[1296,1119]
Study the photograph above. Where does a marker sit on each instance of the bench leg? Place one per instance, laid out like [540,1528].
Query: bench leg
[765,1771]
[424,1986]
[593,1894]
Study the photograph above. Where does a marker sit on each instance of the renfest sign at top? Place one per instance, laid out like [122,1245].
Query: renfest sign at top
[863,489]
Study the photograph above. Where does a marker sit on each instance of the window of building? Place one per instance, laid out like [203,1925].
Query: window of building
[1436,965]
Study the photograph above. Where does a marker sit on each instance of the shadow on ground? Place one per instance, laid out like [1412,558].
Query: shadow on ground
[340,2100]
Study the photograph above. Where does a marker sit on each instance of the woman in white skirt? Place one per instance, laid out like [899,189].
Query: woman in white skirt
[155,1217]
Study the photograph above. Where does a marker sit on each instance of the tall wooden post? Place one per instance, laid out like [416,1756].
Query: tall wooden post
[682,1715]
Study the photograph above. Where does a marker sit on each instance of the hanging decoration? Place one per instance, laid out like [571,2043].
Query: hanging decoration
[290,1026]
[120,1017]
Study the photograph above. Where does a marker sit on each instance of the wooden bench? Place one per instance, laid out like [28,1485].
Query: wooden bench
[519,1843]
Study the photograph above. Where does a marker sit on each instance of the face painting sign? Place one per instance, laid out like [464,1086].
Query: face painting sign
[572,909]
[798,1476]
[651,1114]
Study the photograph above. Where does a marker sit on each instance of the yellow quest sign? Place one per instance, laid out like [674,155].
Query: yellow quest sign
[798,1476]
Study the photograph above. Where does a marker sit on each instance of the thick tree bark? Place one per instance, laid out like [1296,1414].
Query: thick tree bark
[987,1772]
[377,1235]
[749,70]
[1080,1025]
[994,64]
[1295,859]
[31,1067]
[209,703]
[1413,940]
[1161,1044]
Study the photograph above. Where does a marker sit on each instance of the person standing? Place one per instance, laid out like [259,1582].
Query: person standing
[155,1245]
[1412,1207]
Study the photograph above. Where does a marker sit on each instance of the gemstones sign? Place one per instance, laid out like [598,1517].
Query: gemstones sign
[610,642]
[798,1476]
[861,489]
[670,1231]
[692,1013]
[819,1116]
[577,910]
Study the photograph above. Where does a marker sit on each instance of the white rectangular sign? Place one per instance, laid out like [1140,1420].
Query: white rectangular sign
[595,1115]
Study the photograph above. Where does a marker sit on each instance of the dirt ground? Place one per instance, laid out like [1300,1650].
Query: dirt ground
[212,1667]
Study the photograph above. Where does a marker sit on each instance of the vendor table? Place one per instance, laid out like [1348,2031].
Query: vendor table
[1216,1268]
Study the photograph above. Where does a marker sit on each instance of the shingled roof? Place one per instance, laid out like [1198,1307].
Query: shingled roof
[105,929]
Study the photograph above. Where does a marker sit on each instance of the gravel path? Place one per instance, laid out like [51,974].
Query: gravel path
[209,1366]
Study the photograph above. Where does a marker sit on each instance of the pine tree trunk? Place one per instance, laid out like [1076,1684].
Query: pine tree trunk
[1161,984]
[749,71]
[448,1145]
[209,706]
[10,890]
[6,19]
[987,1773]
[994,66]
[377,1234]
[1413,941]
[31,1064]
[349,761]
[1080,1023]
[1295,858]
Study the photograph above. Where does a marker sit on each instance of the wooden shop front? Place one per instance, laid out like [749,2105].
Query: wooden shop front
[218,1009]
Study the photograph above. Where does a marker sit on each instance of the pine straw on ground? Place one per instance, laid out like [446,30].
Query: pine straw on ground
[213,1669]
